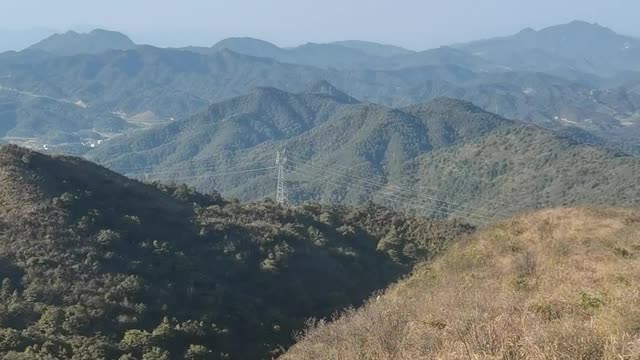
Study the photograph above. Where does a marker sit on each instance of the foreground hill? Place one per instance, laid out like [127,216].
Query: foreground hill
[97,266]
[455,157]
[558,284]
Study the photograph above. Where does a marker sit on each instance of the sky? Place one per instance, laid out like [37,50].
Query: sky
[415,24]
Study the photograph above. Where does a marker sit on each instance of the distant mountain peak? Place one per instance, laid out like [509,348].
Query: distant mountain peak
[577,45]
[581,26]
[248,46]
[242,40]
[527,30]
[374,49]
[323,87]
[73,43]
[583,23]
[267,90]
[99,31]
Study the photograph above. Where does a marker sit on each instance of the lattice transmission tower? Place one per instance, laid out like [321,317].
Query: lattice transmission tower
[281,190]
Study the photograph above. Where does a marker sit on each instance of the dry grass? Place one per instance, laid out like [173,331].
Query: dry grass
[556,284]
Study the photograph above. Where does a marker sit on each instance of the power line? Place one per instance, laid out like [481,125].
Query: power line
[178,167]
[397,198]
[382,185]
[416,187]
[217,174]
[197,170]
[483,222]
[312,169]
[406,201]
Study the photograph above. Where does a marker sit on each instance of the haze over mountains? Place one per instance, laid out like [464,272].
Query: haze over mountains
[580,46]
[108,76]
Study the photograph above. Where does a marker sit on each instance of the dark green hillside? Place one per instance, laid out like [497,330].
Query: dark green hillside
[170,83]
[95,265]
[519,168]
[32,116]
[356,152]
[225,130]
[459,160]
[321,124]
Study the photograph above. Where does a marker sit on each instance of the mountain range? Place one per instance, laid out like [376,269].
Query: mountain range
[173,84]
[66,96]
[577,46]
[343,150]
[422,172]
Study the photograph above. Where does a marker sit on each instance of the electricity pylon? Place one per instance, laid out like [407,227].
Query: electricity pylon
[281,190]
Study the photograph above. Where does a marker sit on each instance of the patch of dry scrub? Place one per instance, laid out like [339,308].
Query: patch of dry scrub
[556,284]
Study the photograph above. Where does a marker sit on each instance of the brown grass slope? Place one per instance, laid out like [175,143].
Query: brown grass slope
[556,284]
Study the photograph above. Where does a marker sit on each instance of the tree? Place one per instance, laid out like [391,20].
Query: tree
[135,340]
[198,352]
[156,353]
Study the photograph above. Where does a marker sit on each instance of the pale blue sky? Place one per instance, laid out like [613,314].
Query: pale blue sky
[416,24]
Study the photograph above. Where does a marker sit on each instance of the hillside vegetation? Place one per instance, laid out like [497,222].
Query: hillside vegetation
[556,284]
[94,265]
[344,151]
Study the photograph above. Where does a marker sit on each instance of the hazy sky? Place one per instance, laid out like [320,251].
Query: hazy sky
[416,24]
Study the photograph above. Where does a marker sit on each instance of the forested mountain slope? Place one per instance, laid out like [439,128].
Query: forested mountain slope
[458,159]
[98,266]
